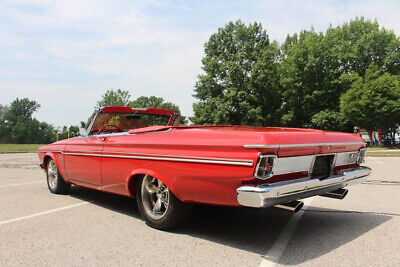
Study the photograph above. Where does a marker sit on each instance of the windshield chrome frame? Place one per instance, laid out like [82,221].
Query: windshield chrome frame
[173,118]
[90,126]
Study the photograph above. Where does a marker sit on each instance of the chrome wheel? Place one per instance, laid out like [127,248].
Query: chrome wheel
[155,197]
[52,174]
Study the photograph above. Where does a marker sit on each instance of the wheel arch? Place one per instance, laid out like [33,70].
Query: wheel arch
[46,159]
[52,156]
[137,173]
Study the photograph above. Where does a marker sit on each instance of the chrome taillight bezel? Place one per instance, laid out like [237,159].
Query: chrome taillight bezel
[361,156]
[261,160]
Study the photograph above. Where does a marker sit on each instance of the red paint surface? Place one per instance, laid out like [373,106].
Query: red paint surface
[192,182]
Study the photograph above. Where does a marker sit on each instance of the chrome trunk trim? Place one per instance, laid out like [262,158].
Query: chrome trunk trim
[286,165]
[304,145]
[292,164]
[346,158]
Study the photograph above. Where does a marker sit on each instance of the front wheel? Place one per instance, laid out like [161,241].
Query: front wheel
[159,207]
[55,182]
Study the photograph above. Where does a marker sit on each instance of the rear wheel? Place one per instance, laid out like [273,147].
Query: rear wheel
[159,207]
[55,182]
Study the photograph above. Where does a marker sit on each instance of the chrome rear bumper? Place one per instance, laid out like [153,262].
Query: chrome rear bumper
[267,195]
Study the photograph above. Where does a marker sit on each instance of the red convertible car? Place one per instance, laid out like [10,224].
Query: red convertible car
[143,154]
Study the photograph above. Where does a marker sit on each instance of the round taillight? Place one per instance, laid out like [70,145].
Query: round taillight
[267,167]
[264,167]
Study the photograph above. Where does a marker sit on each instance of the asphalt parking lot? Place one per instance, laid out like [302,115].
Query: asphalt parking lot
[94,228]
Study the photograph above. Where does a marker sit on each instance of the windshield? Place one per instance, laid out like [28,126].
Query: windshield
[127,121]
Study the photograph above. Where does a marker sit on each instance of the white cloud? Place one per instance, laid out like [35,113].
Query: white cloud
[294,16]
[65,54]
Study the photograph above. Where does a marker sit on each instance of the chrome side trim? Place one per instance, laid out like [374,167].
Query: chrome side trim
[152,132]
[267,195]
[106,135]
[49,150]
[161,155]
[161,158]
[82,154]
[303,145]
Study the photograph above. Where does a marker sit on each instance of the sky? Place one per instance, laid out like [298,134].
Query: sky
[66,54]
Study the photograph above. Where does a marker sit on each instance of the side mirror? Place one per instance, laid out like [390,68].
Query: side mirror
[82,132]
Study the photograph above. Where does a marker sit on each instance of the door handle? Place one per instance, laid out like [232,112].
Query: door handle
[103,138]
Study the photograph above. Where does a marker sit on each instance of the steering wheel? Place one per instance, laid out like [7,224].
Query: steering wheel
[115,128]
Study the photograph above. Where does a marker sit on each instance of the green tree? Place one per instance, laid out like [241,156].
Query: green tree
[20,109]
[47,133]
[3,125]
[373,102]
[313,64]
[31,131]
[25,131]
[63,133]
[309,81]
[241,84]
[361,43]
[18,125]
[73,132]
[114,98]
[3,110]
[157,102]
[331,121]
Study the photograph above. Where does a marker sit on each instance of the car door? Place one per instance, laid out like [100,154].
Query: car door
[117,163]
[83,160]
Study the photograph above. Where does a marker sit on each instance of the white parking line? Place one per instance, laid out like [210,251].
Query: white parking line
[275,252]
[34,182]
[43,213]
[374,159]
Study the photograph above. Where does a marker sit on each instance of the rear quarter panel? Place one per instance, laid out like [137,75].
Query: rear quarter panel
[191,182]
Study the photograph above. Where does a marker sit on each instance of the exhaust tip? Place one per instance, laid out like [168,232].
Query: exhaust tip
[292,206]
[337,194]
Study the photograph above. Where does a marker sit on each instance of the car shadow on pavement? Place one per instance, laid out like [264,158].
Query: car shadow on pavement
[318,232]
[321,230]
[252,230]
[255,230]
[120,204]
